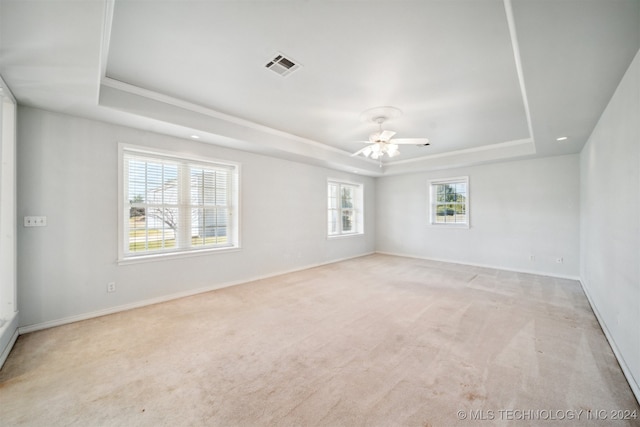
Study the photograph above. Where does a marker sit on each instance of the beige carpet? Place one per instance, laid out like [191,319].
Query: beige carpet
[377,341]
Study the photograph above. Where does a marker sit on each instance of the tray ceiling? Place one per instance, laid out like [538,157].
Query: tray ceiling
[483,80]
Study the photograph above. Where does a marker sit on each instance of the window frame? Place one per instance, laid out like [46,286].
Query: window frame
[358,209]
[433,204]
[8,212]
[186,162]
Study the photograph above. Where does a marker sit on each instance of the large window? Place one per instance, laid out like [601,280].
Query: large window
[8,301]
[345,209]
[450,201]
[174,204]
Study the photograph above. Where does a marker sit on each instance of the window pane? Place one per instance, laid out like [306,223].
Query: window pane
[449,212]
[152,229]
[137,181]
[460,213]
[347,221]
[161,217]
[333,221]
[170,184]
[221,225]
[137,237]
[346,197]
[450,192]
[196,184]
[201,184]
[209,226]
[197,226]
[222,188]
[333,202]
[169,227]
[209,187]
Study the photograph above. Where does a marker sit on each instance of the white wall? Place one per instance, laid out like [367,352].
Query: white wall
[610,222]
[518,209]
[67,171]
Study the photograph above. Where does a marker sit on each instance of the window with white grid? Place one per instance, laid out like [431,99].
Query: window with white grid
[450,201]
[345,209]
[174,204]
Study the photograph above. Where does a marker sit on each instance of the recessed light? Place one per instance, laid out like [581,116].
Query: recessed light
[562,138]
[195,137]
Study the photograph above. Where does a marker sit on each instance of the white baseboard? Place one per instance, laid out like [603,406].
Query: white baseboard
[111,310]
[635,387]
[473,264]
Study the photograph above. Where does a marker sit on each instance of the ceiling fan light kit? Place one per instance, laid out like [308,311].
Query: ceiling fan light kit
[381,142]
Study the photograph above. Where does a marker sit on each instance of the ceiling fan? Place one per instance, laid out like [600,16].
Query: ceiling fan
[382,142]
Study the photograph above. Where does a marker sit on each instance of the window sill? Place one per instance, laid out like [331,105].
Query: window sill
[175,255]
[344,236]
[449,225]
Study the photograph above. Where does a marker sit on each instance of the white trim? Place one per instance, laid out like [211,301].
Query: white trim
[186,105]
[174,154]
[107,25]
[9,347]
[98,313]
[166,256]
[473,264]
[508,9]
[156,96]
[633,384]
[8,219]
[6,91]
[5,329]
[463,151]
[344,236]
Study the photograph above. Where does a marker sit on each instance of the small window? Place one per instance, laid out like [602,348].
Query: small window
[175,205]
[449,201]
[345,209]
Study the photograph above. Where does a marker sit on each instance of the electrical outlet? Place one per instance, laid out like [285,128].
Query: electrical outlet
[35,221]
[111,287]
[559,260]
[532,258]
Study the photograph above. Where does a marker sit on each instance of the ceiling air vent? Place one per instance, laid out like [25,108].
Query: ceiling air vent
[282,65]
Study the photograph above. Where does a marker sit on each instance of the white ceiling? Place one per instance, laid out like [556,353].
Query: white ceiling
[484,80]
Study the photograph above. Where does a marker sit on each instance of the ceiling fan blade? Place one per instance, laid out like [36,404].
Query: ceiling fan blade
[413,141]
[362,150]
[386,135]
